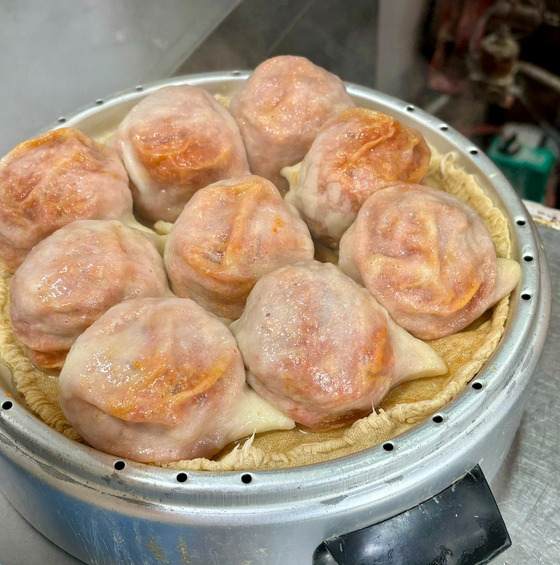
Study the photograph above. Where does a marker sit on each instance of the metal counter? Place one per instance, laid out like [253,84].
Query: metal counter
[526,487]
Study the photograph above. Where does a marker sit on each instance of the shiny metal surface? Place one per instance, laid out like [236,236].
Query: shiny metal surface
[526,486]
[140,514]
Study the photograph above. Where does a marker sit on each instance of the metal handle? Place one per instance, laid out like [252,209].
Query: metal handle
[461,525]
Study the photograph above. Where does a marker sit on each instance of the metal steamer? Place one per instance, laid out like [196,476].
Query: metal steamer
[105,511]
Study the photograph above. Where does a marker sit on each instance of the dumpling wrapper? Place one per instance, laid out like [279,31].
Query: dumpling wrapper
[354,155]
[161,379]
[175,141]
[52,180]
[72,277]
[280,109]
[428,258]
[229,235]
[321,349]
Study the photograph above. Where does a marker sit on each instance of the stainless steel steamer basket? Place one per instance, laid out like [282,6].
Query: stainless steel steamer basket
[106,511]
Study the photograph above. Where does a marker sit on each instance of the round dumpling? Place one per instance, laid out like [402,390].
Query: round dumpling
[72,277]
[228,236]
[154,379]
[321,349]
[50,181]
[175,141]
[427,258]
[354,155]
[280,110]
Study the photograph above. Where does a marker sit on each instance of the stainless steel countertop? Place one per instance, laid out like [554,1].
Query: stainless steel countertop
[526,487]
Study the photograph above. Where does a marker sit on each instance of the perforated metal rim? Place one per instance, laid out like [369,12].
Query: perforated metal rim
[377,469]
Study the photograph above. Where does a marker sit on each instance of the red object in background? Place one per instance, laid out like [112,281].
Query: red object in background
[459,22]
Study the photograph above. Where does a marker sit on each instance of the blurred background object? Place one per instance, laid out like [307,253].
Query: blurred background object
[491,64]
[485,67]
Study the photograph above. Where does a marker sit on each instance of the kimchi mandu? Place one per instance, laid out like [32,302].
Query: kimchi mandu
[354,155]
[72,277]
[229,235]
[174,142]
[52,180]
[280,109]
[321,349]
[426,257]
[173,389]
[156,377]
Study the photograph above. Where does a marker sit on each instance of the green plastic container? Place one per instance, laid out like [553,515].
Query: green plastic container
[527,168]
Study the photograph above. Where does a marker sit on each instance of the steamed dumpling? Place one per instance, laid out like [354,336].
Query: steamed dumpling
[160,379]
[321,349]
[354,155]
[428,258]
[175,141]
[280,110]
[50,181]
[227,237]
[72,277]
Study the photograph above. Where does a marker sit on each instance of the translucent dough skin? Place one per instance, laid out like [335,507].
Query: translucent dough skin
[228,236]
[280,110]
[424,255]
[175,141]
[354,155]
[316,345]
[153,379]
[72,277]
[52,180]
